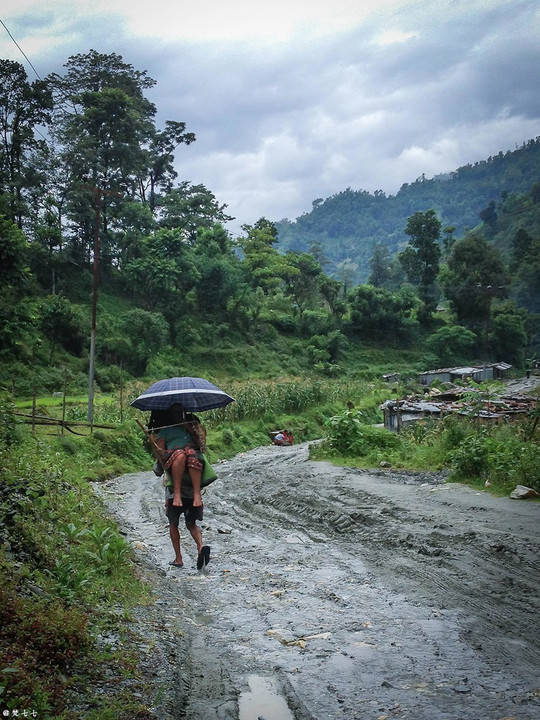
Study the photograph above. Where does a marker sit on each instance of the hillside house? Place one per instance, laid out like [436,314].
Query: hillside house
[401,413]
[478,373]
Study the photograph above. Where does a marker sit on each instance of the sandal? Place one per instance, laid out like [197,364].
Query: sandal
[203,558]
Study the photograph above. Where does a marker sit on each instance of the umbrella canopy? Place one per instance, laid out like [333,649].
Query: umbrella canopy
[194,394]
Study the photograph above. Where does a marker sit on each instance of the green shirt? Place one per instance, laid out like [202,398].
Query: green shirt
[175,437]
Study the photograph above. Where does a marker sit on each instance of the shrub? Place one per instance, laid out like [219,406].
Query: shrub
[452,343]
[7,421]
[126,444]
[315,321]
[453,432]
[348,434]
[109,377]
[62,323]
[165,364]
[37,641]
[282,322]
[497,454]
[380,313]
[470,458]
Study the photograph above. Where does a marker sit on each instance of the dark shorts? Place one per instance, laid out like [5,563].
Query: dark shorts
[192,514]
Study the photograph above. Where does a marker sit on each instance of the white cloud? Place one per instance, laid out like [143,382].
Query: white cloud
[298,99]
[389,37]
[271,21]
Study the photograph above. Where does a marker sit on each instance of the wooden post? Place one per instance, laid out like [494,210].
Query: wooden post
[34,412]
[99,194]
[64,402]
[95,284]
[121,393]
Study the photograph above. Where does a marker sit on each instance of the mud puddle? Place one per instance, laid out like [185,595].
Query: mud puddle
[336,593]
[262,701]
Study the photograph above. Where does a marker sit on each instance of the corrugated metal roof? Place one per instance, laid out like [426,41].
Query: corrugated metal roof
[475,368]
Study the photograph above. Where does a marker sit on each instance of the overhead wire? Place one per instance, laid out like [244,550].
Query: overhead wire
[29,62]
[20,49]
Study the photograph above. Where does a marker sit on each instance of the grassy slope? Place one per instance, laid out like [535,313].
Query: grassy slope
[63,561]
[64,571]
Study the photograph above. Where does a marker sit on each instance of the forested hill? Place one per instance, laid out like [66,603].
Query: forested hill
[349,224]
[177,293]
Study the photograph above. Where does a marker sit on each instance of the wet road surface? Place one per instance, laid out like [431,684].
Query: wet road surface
[335,593]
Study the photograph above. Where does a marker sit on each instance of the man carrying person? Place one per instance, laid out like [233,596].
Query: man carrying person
[178,441]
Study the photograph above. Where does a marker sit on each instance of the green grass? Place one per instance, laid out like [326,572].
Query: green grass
[63,561]
[63,564]
[506,455]
[57,402]
[62,546]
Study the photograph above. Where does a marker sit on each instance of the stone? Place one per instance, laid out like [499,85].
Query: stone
[385,464]
[521,492]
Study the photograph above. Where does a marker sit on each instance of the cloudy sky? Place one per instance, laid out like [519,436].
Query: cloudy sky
[293,100]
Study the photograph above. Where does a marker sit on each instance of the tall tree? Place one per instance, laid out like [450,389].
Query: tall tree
[449,238]
[525,266]
[346,272]
[304,287]
[23,106]
[489,215]
[102,120]
[14,281]
[420,259]
[265,267]
[163,276]
[333,293]
[159,166]
[105,125]
[509,332]
[521,247]
[188,207]
[219,270]
[381,266]
[474,277]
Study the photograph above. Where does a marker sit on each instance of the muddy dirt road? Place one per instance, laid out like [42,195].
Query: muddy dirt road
[338,594]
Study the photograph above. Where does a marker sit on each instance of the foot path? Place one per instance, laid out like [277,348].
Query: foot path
[335,593]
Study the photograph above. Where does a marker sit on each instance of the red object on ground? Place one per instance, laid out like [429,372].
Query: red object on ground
[287,439]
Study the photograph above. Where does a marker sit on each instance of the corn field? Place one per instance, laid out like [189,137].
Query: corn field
[260,398]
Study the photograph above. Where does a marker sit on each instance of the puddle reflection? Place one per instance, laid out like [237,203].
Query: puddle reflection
[262,701]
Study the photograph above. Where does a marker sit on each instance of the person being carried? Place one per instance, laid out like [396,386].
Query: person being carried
[180,440]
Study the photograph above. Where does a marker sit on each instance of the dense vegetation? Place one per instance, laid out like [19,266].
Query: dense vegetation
[67,576]
[177,291]
[501,455]
[82,161]
[346,227]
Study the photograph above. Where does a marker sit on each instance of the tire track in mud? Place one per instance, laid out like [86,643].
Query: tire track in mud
[358,595]
[376,526]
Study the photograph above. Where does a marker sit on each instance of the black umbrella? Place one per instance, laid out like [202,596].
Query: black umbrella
[194,394]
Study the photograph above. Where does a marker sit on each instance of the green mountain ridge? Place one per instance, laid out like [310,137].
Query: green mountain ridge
[179,295]
[350,223]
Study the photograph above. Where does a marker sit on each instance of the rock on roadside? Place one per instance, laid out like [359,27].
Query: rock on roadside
[521,492]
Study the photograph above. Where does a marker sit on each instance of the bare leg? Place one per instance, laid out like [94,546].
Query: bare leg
[175,539]
[196,534]
[177,469]
[195,476]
